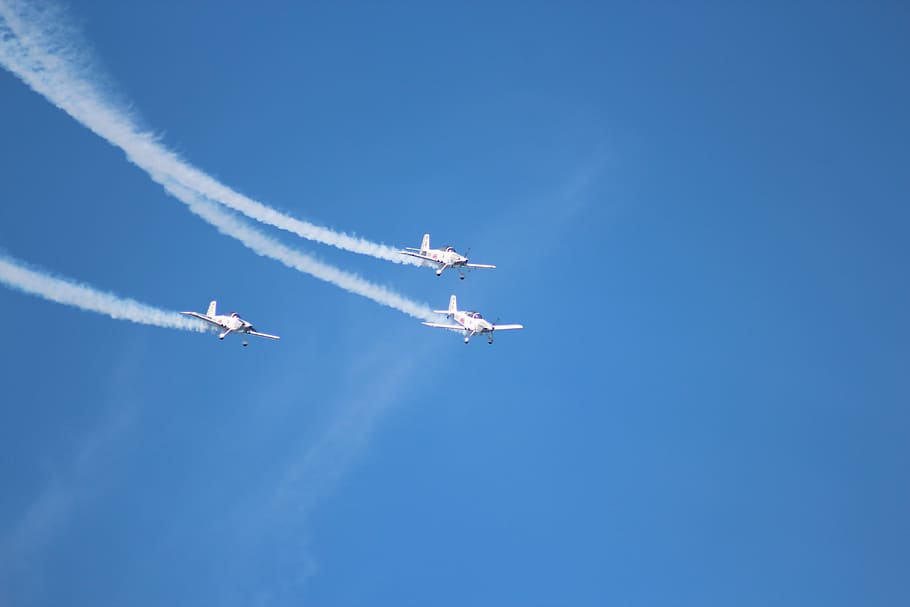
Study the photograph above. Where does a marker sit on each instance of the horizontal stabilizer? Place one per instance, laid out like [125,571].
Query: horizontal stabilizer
[416,254]
[203,317]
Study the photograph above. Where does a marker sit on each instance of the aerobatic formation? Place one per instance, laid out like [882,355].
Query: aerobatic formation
[33,49]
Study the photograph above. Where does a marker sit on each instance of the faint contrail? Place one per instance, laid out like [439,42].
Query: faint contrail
[14,274]
[32,48]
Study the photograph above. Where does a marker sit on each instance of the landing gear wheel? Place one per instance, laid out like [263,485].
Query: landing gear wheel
[467,339]
[245,344]
[461,276]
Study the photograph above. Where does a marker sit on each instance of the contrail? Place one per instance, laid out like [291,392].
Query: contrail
[14,274]
[32,48]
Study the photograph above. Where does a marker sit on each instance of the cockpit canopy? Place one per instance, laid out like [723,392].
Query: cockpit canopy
[450,249]
[477,315]
[235,315]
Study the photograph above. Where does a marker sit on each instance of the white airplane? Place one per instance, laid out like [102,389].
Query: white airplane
[471,323]
[229,324]
[446,257]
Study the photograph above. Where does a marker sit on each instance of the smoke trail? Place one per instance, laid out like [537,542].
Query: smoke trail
[32,48]
[35,54]
[60,290]
[263,245]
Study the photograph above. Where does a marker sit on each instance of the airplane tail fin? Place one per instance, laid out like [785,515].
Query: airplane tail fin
[425,243]
[453,307]
[212,305]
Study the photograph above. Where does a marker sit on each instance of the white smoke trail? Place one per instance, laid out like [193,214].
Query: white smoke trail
[263,245]
[33,48]
[64,291]
[33,51]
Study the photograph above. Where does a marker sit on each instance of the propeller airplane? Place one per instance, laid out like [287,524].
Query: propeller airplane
[469,322]
[228,323]
[445,258]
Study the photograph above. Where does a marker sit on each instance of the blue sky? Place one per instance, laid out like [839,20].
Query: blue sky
[698,212]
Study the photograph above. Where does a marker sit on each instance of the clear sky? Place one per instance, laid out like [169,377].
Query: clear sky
[699,211]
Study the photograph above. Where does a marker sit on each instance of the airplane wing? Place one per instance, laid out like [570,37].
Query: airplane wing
[439,325]
[203,317]
[478,265]
[507,327]
[258,334]
[419,256]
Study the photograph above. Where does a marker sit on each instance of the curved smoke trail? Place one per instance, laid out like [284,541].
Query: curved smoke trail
[263,245]
[33,48]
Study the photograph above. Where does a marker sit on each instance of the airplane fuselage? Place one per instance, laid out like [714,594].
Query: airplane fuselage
[234,323]
[446,258]
[473,322]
